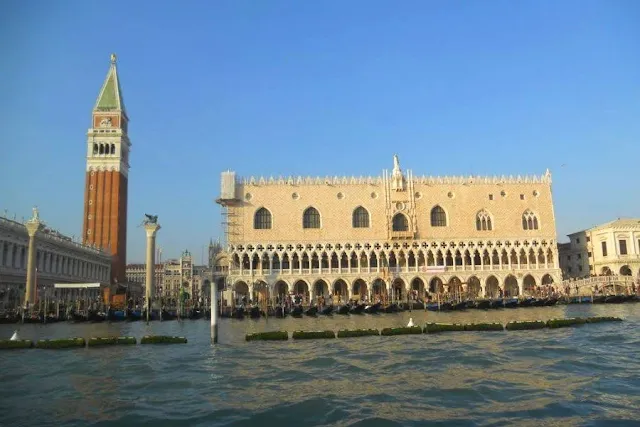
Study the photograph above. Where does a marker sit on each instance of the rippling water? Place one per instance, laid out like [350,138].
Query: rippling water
[588,375]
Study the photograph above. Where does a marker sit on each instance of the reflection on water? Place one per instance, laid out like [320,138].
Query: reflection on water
[571,376]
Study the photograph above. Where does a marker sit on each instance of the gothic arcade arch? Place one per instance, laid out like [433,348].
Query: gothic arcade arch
[511,286]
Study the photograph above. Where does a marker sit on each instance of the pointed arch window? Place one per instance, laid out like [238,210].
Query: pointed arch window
[360,218]
[483,221]
[400,222]
[529,220]
[311,218]
[438,217]
[262,219]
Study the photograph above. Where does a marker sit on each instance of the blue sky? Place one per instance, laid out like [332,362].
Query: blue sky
[320,88]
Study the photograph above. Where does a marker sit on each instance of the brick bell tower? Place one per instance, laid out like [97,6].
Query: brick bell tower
[106,186]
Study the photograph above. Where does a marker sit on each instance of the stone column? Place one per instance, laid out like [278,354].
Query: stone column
[151,229]
[33,226]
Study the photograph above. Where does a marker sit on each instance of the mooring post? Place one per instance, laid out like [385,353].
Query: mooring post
[214,313]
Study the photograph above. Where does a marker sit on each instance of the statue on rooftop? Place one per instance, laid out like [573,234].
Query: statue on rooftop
[150,219]
[397,179]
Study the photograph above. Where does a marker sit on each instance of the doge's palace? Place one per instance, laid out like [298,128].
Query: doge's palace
[390,234]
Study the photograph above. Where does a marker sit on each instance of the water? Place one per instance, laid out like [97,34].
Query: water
[588,375]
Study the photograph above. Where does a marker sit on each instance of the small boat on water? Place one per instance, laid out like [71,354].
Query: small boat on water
[483,304]
[168,315]
[414,305]
[462,305]
[297,311]
[391,308]
[238,312]
[600,299]
[372,309]
[510,303]
[254,312]
[327,310]
[357,309]
[97,316]
[312,311]
[344,309]
[281,311]
[116,315]
[134,315]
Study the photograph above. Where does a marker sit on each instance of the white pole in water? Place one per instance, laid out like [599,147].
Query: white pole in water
[214,312]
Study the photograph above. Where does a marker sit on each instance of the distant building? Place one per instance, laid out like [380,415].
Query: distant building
[389,234]
[137,273]
[612,248]
[59,259]
[174,275]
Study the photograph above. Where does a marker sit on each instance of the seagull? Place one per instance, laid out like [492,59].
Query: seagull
[15,336]
[410,324]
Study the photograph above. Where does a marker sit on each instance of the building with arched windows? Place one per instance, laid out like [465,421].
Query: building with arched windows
[390,234]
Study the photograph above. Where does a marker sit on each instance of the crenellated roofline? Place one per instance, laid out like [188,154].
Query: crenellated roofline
[379,180]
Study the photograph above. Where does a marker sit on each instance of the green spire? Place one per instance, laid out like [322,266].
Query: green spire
[110,98]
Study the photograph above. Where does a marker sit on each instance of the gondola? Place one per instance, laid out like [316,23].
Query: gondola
[195,314]
[539,302]
[357,309]
[97,316]
[281,311]
[344,309]
[116,315]
[483,304]
[238,312]
[134,315]
[9,318]
[34,318]
[445,306]
[327,310]
[254,312]
[600,299]
[414,305]
[496,303]
[614,299]
[391,308]
[77,317]
[551,301]
[168,315]
[462,305]
[526,302]
[312,311]
[510,303]
[296,311]
[372,309]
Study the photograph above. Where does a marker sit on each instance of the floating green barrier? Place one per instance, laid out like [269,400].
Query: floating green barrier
[520,326]
[162,339]
[413,330]
[268,336]
[603,319]
[61,343]
[310,335]
[8,344]
[563,323]
[345,333]
[100,341]
[484,327]
[432,328]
